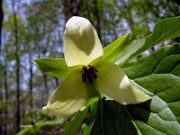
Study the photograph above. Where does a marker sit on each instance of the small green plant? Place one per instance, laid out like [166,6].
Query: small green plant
[105,93]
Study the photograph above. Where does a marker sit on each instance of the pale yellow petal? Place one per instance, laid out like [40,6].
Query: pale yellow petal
[113,82]
[81,43]
[69,96]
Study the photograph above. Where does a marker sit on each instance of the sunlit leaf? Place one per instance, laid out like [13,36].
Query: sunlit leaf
[164,60]
[166,29]
[53,67]
[112,51]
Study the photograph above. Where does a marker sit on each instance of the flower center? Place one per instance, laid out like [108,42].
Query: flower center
[88,73]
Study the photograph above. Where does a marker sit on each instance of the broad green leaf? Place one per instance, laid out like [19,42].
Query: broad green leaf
[112,119]
[53,67]
[166,29]
[159,74]
[163,112]
[112,51]
[161,61]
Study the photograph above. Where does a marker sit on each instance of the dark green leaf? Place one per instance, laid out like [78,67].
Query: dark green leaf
[87,127]
[112,119]
[158,73]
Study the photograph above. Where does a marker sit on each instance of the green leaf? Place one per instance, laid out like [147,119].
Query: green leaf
[112,119]
[158,73]
[130,51]
[163,113]
[162,61]
[166,29]
[75,124]
[34,129]
[87,127]
[112,51]
[73,127]
[53,67]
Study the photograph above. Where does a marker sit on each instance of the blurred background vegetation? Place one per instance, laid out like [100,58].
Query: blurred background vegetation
[34,28]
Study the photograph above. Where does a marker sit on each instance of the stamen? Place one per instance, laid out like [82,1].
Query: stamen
[88,73]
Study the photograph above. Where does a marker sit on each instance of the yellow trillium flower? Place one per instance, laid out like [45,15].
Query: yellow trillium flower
[83,51]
